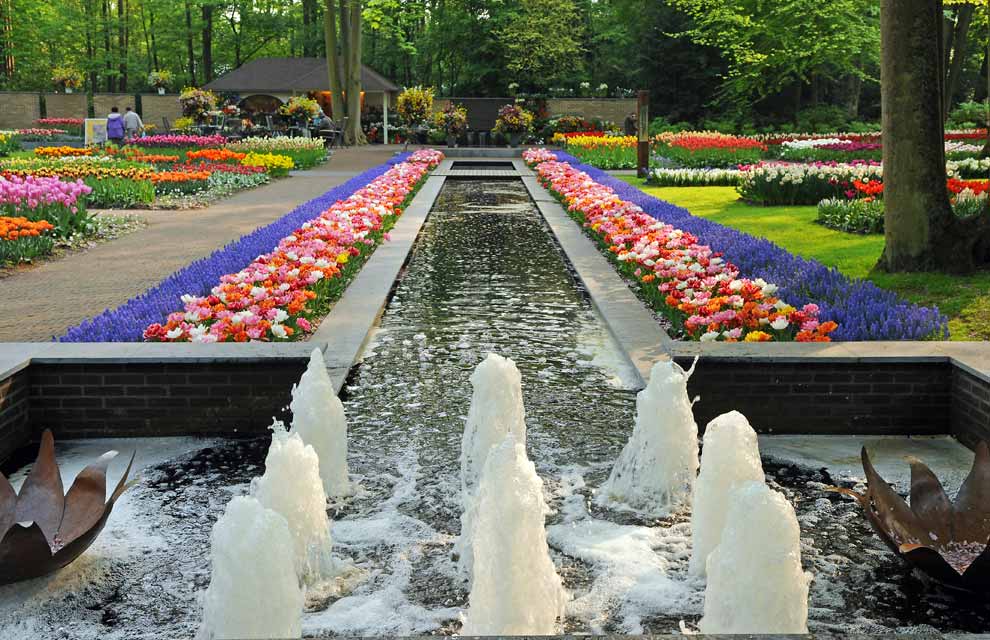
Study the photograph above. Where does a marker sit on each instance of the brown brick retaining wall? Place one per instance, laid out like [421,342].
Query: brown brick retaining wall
[158,399]
[826,397]
[15,421]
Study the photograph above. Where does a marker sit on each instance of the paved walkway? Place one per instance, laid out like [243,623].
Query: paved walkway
[44,301]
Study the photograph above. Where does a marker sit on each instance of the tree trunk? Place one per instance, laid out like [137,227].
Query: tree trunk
[964,16]
[107,64]
[853,89]
[354,134]
[154,40]
[309,28]
[207,11]
[122,45]
[90,48]
[190,51]
[920,230]
[333,59]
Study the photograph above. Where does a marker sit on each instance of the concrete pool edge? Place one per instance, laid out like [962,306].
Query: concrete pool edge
[916,388]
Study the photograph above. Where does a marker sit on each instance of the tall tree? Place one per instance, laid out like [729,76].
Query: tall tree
[920,230]
[342,32]
[956,40]
[190,49]
[541,40]
[207,12]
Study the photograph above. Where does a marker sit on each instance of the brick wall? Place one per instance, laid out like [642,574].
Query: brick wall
[15,423]
[95,400]
[825,397]
[19,109]
[102,102]
[154,107]
[66,105]
[613,109]
[970,414]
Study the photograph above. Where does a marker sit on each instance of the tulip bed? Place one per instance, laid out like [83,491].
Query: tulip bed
[319,246]
[861,310]
[36,211]
[166,171]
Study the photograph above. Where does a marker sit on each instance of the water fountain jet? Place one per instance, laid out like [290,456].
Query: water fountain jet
[656,470]
[496,411]
[516,589]
[291,486]
[755,580]
[730,456]
[254,591]
[318,417]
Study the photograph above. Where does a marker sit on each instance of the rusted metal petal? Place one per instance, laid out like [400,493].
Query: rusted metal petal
[41,499]
[930,503]
[24,553]
[889,510]
[932,563]
[122,484]
[86,500]
[8,506]
[972,505]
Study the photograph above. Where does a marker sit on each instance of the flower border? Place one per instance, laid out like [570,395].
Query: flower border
[127,322]
[862,310]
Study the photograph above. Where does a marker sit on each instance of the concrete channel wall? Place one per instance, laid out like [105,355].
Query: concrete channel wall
[868,388]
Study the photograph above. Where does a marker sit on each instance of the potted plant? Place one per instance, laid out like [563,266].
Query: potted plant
[67,78]
[415,104]
[160,80]
[602,90]
[300,109]
[514,122]
[513,89]
[197,103]
[452,120]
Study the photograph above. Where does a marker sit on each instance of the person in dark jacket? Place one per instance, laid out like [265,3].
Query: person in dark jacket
[115,126]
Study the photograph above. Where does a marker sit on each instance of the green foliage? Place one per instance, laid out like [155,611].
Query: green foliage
[968,115]
[771,45]
[857,216]
[824,118]
[662,125]
[541,39]
[119,193]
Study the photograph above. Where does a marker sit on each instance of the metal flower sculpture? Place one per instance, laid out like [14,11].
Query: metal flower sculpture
[42,530]
[947,540]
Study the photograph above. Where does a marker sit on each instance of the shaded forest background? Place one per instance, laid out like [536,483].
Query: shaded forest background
[732,65]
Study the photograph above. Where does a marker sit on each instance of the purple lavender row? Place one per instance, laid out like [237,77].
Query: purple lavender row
[863,310]
[127,322]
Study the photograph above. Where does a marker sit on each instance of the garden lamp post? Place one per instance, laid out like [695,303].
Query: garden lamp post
[643,131]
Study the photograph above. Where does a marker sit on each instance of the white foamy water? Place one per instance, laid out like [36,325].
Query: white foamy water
[496,411]
[730,457]
[755,580]
[656,470]
[254,591]
[318,417]
[291,486]
[516,589]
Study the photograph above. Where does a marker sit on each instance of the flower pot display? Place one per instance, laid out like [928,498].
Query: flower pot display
[513,122]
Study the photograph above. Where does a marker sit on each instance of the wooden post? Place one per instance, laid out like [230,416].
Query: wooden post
[643,129]
[385,115]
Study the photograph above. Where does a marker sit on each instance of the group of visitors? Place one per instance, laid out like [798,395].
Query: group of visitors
[123,127]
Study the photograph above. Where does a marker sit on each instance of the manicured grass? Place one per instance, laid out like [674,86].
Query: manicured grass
[965,299]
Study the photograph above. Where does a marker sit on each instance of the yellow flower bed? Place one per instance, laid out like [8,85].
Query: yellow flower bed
[274,163]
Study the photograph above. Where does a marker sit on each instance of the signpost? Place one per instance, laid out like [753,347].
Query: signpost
[643,129]
[95,131]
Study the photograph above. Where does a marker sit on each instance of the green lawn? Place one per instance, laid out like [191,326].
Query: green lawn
[965,299]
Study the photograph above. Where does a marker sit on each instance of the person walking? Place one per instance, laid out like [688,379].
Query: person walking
[132,123]
[115,126]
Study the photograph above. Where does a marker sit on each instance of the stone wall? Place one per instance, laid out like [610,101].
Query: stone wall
[155,107]
[612,109]
[102,102]
[19,109]
[15,424]
[66,105]
[160,399]
[970,410]
[827,397]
